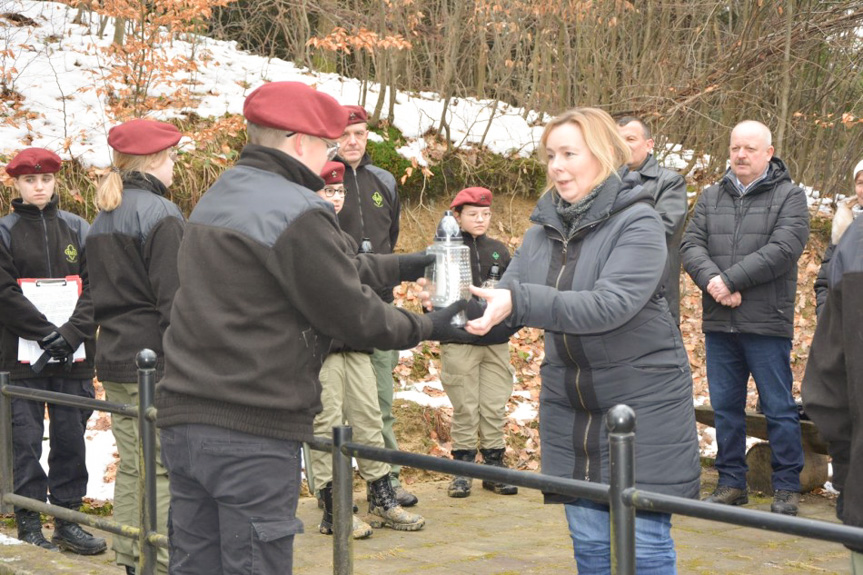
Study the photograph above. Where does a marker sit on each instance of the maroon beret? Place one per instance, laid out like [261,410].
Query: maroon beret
[472,196]
[333,173]
[296,107]
[34,161]
[356,115]
[141,137]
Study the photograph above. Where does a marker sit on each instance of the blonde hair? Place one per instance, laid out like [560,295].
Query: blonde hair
[600,135]
[109,195]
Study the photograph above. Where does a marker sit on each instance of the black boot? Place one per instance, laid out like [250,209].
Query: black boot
[71,537]
[460,486]
[495,457]
[30,530]
[403,496]
[359,529]
[383,503]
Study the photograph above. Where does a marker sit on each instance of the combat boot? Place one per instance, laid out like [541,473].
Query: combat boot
[403,496]
[460,486]
[359,530]
[382,502]
[70,536]
[30,530]
[494,457]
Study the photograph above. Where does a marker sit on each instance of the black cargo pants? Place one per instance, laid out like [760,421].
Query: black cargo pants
[66,479]
[233,501]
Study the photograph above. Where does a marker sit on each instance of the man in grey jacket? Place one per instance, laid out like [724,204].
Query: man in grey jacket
[741,248]
[668,189]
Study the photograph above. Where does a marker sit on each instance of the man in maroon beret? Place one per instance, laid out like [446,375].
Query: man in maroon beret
[267,280]
[371,216]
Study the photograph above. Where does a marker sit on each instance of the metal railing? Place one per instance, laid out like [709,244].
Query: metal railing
[147,537]
[621,495]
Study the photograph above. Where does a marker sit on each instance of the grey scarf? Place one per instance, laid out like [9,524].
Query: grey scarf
[572,214]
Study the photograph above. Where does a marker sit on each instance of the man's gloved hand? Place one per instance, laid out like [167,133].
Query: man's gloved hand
[443,330]
[475,308]
[413,266]
[57,346]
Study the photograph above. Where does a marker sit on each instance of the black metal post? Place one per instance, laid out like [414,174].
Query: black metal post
[146,362]
[6,483]
[621,438]
[343,504]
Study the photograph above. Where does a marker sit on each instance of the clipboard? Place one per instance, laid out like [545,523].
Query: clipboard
[56,299]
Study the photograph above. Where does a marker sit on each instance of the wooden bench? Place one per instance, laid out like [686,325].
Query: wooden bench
[814,472]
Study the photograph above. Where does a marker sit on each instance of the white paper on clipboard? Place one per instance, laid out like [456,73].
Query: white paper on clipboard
[56,298]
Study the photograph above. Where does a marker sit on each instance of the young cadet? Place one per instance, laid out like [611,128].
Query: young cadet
[349,393]
[478,378]
[38,240]
[133,246]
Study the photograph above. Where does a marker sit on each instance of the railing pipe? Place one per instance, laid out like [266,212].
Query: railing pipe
[7,484]
[57,398]
[527,479]
[146,362]
[343,504]
[801,526]
[620,423]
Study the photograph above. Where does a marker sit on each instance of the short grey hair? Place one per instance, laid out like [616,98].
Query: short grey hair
[765,131]
[265,136]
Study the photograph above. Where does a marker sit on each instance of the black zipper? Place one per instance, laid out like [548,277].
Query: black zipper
[564,245]
[47,247]
[359,205]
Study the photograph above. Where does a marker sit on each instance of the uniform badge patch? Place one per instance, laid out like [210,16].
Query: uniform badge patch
[71,254]
[378,199]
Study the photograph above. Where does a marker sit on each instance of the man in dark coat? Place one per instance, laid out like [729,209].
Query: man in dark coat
[371,216]
[833,383]
[741,248]
[267,281]
[668,189]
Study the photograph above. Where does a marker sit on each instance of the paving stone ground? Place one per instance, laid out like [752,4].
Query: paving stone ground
[488,534]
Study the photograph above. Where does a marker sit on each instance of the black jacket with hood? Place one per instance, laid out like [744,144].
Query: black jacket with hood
[833,381]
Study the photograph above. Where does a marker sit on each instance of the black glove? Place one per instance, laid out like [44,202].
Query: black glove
[413,266]
[475,308]
[57,346]
[444,331]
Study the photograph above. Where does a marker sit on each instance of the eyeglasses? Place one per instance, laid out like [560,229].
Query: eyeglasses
[331,191]
[332,148]
[477,215]
[332,145]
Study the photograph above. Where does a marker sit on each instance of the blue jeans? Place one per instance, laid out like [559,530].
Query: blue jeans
[589,527]
[731,357]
